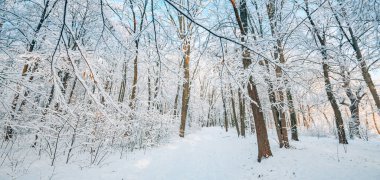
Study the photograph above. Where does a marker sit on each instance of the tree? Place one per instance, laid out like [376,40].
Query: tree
[135,61]
[261,131]
[321,38]
[353,39]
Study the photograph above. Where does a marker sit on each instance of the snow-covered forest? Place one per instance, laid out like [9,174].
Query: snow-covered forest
[89,86]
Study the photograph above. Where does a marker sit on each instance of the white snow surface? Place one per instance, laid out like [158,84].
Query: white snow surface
[211,153]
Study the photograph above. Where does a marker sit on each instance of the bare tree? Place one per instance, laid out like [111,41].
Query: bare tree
[261,130]
[321,38]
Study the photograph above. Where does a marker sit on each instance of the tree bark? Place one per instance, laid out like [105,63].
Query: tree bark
[123,83]
[333,102]
[293,117]
[234,117]
[258,115]
[72,90]
[132,103]
[275,113]
[354,122]
[242,113]
[175,109]
[224,110]
[186,87]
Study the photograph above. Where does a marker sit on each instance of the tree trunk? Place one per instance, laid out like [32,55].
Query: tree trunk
[258,115]
[176,102]
[186,88]
[334,104]
[224,110]
[149,91]
[72,90]
[282,119]
[374,119]
[107,86]
[375,124]
[123,83]
[293,117]
[175,109]
[309,116]
[275,113]
[242,113]
[132,104]
[354,122]
[234,117]
[366,76]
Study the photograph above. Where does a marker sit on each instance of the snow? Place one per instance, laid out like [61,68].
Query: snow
[211,153]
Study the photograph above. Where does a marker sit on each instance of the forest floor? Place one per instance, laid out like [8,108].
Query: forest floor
[211,153]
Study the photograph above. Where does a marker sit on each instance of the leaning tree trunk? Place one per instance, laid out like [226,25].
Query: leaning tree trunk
[333,102]
[363,67]
[374,121]
[353,40]
[328,86]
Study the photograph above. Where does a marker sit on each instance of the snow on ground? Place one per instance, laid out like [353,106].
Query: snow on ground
[211,153]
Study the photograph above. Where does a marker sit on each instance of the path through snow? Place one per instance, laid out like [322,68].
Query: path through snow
[211,153]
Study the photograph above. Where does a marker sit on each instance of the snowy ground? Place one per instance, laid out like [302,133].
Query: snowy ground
[211,153]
